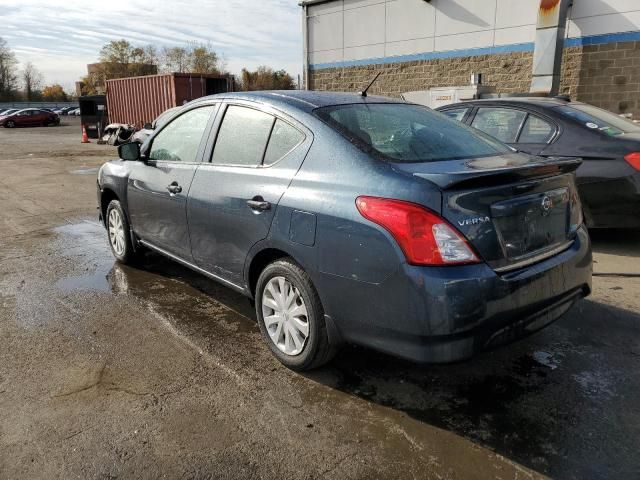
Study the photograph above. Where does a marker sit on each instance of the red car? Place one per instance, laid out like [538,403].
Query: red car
[29,117]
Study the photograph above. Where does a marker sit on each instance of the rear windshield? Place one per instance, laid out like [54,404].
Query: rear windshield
[598,119]
[408,133]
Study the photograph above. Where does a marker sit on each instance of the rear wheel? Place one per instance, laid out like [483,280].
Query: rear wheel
[291,317]
[118,231]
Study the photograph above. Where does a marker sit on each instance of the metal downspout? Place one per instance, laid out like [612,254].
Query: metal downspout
[549,45]
[305,47]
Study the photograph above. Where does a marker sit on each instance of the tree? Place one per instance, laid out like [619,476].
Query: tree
[54,93]
[194,58]
[264,78]
[91,85]
[203,59]
[176,59]
[31,81]
[120,59]
[8,67]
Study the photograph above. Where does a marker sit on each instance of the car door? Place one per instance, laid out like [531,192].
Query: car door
[235,193]
[39,117]
[158,187]
[33,119]
[23,118]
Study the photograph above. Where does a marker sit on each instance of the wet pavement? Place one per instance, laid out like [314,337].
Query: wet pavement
[109,371]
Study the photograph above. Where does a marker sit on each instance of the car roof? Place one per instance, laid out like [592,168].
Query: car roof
[305,100]
[546,102]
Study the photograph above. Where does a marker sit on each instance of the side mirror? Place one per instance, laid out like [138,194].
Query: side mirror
[147,126]
[129,151]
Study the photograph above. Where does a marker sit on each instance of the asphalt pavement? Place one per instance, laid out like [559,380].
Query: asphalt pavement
[108,371]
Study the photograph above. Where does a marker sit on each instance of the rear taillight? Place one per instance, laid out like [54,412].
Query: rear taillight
[633,159]
[424,237]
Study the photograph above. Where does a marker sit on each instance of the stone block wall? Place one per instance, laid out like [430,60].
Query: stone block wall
[606,75]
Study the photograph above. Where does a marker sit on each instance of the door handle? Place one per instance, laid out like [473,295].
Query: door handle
[174,188]
[258,204]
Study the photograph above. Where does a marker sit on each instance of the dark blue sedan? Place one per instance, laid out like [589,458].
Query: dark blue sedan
[354,219]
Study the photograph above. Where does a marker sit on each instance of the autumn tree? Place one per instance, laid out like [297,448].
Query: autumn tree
[175,59]
[31,82]
[120,59]
[194,58]
[54,93]
[203,59]
[8,72]
[265,78]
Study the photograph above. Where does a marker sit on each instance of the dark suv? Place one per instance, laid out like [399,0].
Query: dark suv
[355,219]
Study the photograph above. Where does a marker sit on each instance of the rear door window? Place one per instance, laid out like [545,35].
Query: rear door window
[242,137]
[456,113]
[501,123]
[284,138]
[536,130]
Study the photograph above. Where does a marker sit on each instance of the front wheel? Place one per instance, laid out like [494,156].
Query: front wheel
[118,231]
[291,317]
[10,124]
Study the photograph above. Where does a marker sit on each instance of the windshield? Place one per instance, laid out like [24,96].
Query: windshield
[408,133]
[598,119]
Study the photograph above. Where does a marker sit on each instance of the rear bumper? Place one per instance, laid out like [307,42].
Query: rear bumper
[437,315]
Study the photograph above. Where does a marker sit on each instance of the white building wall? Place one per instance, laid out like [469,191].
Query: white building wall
[355,31]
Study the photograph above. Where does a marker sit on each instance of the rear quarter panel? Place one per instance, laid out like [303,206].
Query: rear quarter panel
[346,245]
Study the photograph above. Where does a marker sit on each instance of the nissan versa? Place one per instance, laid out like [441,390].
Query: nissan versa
[355,219]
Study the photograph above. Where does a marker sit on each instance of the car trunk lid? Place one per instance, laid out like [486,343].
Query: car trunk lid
[514,209]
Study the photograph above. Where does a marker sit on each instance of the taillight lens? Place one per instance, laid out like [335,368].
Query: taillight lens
[424,237]
[633,159]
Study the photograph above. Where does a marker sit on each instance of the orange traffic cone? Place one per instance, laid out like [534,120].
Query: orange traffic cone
[85,137]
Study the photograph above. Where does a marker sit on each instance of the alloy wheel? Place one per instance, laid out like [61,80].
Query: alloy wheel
[116,232]
[285,315]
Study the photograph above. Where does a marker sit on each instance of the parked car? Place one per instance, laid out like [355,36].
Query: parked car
[609,145]
[29,117]
[141,135]
[354,219]
[8,111]
[74,111]
[64,110]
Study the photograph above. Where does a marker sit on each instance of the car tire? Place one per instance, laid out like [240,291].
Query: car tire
[290,316]
[118,234]
[10,124]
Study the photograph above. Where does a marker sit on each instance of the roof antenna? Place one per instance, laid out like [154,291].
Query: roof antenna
[364,92]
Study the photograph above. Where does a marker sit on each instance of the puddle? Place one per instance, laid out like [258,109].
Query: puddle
[85,243]
[86,229]
[96,281]
[85,171]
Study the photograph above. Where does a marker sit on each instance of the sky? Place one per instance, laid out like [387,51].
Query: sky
[61,38]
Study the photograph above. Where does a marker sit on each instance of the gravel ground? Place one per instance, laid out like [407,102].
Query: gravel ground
[108,371]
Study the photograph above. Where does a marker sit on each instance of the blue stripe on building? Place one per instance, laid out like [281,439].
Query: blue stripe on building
[473,52]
